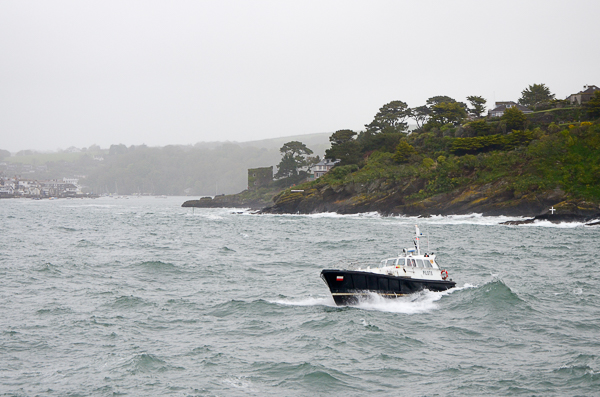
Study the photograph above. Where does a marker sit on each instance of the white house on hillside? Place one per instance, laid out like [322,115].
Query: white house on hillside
[584,95]
[323,167]
[502,106]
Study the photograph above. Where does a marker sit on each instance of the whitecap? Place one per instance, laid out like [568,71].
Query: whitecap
[310,301]
[373,214]
[562,225]
[240,382]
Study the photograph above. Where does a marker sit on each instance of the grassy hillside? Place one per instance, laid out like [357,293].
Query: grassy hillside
[568,159]
[530,166]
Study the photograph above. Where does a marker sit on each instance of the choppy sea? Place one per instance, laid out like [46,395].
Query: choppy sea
[140,297]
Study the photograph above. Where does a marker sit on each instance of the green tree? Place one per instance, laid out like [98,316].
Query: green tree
[341,136]
[420,115]
[117,149]
[478,105]
[593,106]
[514,118]
[344,147]
[436,100]
[294,157]
[448,112]
[4,154]
[535,94]
[403,152]
[479,128]
[390,118]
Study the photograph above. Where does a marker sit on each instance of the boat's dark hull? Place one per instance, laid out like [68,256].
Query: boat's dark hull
[355,284]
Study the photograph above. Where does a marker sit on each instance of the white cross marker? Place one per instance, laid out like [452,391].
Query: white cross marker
[552,210]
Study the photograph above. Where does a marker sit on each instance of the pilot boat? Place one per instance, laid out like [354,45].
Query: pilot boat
[409,272]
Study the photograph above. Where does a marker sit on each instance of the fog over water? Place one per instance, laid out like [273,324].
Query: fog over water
[157,73]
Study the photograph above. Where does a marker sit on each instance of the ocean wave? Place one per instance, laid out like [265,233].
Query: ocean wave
[420,302]
[468,219]
[158,266]
[492,298]
[310,301]
[240,382]
[129,302]
[212,217]
[144,363]
[333,215]
[314,379]
[562,225]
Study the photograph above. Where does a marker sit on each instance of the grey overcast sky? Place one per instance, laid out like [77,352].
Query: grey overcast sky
[77,73]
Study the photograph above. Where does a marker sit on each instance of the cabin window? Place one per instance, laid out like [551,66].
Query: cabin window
[419,263]
[411,262]
[427,262]
[391,262]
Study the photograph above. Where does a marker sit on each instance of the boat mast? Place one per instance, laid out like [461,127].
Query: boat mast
[417,242]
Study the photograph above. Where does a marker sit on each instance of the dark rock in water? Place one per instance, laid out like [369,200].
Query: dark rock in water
[244,199]
[566,211]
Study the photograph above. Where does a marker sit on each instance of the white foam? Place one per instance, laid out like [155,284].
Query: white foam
[240,382]
[319,215]
[470,219]
[562,225]
[310,301]
[373,214]
[421,302]
[212,217]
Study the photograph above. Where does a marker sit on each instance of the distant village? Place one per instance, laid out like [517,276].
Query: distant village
[16,187]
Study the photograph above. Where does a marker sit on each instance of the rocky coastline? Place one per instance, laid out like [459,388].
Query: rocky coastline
[392,199]
[228,201]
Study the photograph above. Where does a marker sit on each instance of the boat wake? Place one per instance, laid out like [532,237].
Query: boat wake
[420,302]
[310,301]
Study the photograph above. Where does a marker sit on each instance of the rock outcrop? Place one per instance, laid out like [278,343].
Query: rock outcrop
[401,198]
[393,198]
[229,201]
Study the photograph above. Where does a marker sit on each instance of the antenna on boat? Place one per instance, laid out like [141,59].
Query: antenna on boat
[417,243]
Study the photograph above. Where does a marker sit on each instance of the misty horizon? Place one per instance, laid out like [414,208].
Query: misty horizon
[82,73]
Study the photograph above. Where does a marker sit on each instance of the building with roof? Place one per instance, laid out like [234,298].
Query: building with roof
[323,167]
[258,177]
[584,95]
[501,107]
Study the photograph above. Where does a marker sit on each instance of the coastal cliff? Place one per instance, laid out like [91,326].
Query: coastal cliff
[503,167]
[393,198]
